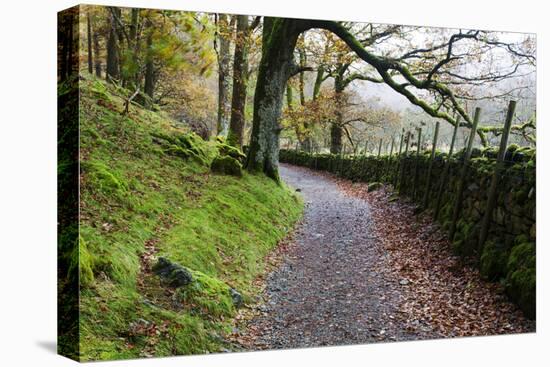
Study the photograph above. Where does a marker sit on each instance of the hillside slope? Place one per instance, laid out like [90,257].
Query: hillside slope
[144,196]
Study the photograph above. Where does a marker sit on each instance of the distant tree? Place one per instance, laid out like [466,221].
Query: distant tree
[113,69]
[89,39]
[224,31]
[240,79]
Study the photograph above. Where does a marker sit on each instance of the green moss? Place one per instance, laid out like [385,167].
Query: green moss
[209,296]
[103,179]
[512,147]
[457,246]
[183,145]
[521,277]
[227,165]
[231,151]
[493,261]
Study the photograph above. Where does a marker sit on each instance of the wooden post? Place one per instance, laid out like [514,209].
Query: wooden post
[396,175]
[430,167]
[417,164]
[387,164]
[464,174]
[402,163]
[446,171]
[379,166]
[499,167]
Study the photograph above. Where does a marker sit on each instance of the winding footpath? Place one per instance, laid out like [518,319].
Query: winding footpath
[335,285]
[330,290]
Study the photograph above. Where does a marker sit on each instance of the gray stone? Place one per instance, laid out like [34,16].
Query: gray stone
[236,297]
[172,274]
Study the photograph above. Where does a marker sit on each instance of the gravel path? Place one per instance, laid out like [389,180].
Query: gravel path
[331,288]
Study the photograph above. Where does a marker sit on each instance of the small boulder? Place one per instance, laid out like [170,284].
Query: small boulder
[231,151]
[227,165]
[172,274]
[236,297]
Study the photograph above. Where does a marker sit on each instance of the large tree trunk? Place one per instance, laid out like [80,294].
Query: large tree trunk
[224,69]
[240,82]
[276,66]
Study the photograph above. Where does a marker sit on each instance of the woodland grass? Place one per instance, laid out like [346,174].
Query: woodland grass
[133,191]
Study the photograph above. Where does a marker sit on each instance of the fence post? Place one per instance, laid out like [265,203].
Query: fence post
[407,140]
[430,167]
[446,170]
[398,163]
[417,164]
[379,167]
[464,174]
[499,167]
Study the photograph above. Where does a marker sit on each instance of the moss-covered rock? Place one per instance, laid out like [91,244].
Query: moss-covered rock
[185,146]
[104,179]
[227,165]
[172,274]
[521,277]
[231,151]
[493,261]
[209,296]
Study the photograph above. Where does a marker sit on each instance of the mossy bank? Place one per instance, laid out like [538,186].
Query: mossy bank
[147,191]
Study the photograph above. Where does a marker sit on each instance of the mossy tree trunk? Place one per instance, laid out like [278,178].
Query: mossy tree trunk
[276,66]
[224,72]
[240,82]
